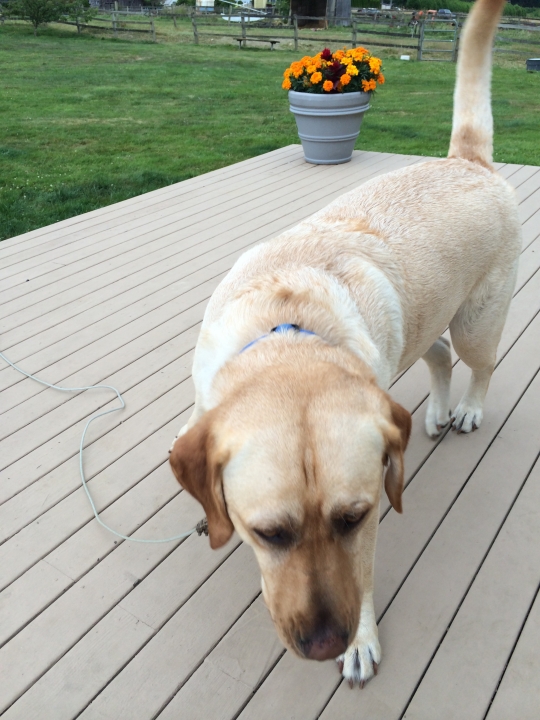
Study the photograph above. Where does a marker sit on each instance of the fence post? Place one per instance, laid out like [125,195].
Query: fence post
[456,42]
[354,33]
[295,33]
[420,40]
[194,24]
[174,17]
[153,29]
[243,22]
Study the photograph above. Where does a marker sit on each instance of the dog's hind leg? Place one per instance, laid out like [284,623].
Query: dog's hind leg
[476,330]
[439,362]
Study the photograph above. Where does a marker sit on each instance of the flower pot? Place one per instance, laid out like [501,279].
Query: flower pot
[328,125]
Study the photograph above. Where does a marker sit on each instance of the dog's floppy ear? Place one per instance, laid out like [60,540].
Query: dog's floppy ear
[194,463]
[397,437]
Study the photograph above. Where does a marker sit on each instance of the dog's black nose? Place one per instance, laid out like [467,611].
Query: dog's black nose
[324,644]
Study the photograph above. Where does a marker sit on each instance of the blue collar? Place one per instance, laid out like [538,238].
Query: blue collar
[283,328]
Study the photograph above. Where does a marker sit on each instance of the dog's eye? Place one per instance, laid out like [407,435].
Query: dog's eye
[278,536]
[348,522]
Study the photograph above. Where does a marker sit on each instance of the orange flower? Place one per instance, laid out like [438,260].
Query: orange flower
[297,69]
[316,78]
[374,65]
[328,85]
[345,79]
[338,55]
[380,79]
[286,84]
[359,53]
[368,85]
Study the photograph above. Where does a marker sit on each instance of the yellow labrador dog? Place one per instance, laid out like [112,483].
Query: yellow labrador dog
[293,432]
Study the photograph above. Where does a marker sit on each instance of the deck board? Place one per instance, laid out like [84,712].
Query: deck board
[109,629]
[492,613]
[519,692]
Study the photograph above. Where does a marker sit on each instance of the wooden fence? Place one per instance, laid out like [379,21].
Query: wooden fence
[433,40]
[296,32]
[118,22]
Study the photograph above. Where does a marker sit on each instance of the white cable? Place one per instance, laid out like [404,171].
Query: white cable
[81,448]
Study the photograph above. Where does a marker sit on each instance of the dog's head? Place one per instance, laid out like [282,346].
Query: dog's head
[296,467]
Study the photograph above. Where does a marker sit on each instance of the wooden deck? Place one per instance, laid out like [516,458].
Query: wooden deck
[100,629]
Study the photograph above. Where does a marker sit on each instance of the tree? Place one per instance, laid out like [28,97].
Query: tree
[41,12]
[80,11]
[37,12]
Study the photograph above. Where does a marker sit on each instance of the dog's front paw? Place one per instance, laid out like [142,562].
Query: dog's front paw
[467,416]
[437,418]
[361,660]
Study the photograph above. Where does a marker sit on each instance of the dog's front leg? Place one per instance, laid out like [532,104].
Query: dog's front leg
[360,661]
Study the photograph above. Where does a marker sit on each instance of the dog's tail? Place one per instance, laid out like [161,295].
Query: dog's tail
[472,127]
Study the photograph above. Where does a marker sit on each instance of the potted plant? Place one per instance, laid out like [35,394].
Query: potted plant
[328,95]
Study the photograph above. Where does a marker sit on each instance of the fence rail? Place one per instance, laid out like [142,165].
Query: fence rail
[117,24]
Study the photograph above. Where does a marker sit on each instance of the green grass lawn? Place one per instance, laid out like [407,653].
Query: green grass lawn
[86,122]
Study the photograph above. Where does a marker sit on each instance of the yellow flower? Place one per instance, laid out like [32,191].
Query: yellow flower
[380,79]
[316,78]
[286,84]
[328,85]
[352,70]
[345,79]
[311,69]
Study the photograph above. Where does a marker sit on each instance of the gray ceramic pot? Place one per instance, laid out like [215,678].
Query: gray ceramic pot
[328,125]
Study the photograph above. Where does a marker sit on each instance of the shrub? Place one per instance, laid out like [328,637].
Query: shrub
[366,3]
[460,6]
